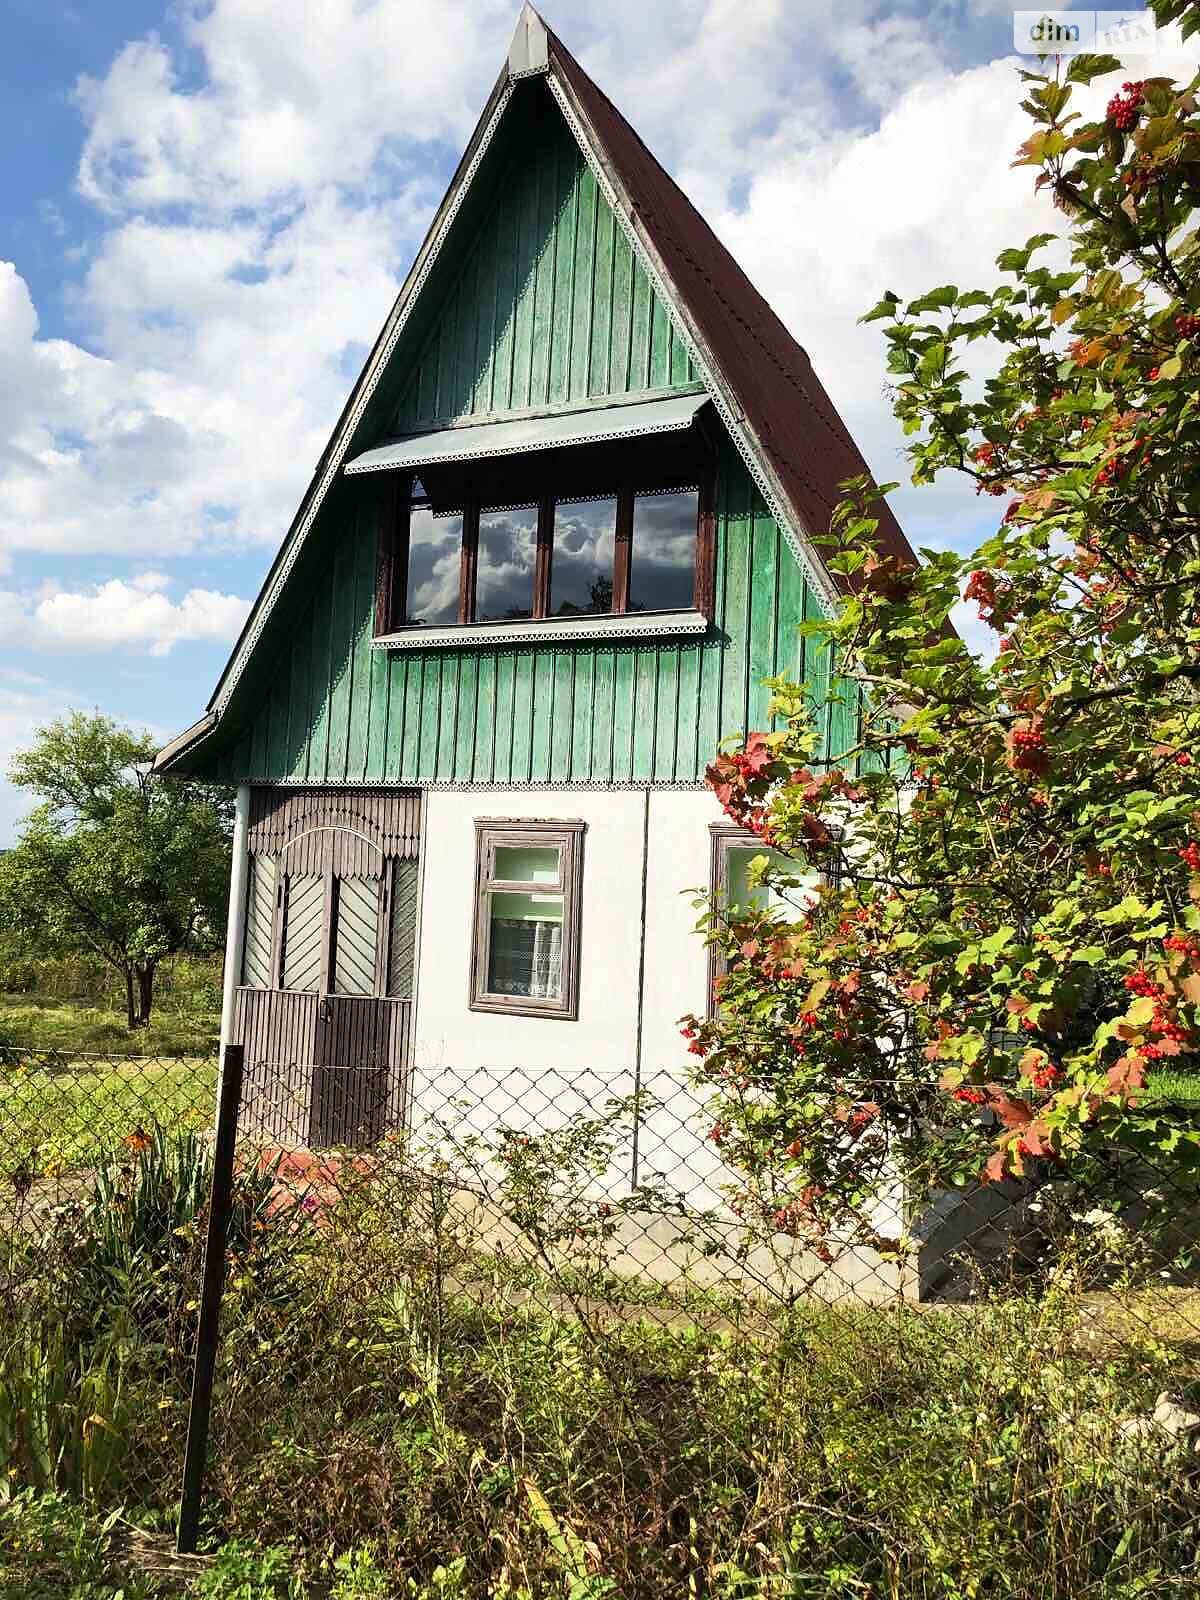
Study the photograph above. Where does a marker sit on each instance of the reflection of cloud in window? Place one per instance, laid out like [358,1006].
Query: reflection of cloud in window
[662,575]
[507,552]
[434,546]
[582,567]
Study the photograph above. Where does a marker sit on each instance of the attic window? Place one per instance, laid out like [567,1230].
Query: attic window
[467,559]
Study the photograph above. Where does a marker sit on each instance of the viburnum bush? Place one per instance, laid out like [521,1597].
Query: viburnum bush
[1001,973]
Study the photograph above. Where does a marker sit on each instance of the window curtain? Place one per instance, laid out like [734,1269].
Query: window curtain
[526,958]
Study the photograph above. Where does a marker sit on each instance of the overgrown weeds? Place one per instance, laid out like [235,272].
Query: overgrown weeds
[394,1418]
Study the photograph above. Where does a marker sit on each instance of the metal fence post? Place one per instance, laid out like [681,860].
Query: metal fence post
[212,1288]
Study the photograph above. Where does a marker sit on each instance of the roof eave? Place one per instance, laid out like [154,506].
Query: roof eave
[167,759]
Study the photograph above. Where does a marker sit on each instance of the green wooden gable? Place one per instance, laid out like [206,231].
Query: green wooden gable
[549,305]
[535,300]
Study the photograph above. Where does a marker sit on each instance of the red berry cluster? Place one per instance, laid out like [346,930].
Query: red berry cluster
[985,454]
[1182,945]
[1045,1077]
[1028,749]
[1168,1028]
[1140,982]
[1124,108]
[1191,854]
[970,1097]
[1187,326]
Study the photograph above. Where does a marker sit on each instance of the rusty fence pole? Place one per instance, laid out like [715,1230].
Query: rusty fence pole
[212,1288]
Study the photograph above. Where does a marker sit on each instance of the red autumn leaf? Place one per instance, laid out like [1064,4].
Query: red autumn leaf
[1034,1141]
[996,1169]
[916,992]
[758,754]
[1013,1113]
[1127,1075]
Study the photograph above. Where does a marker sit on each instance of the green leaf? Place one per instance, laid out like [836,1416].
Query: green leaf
[1085,67]
[935,300]
[885,308]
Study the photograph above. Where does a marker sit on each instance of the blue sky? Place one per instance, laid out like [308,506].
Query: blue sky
[206,208]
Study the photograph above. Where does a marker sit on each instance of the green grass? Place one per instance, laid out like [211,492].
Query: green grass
[1174,1088]
[80,1005]
[49,1023]
[58,1118]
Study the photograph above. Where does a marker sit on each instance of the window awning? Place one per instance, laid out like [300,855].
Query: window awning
[477,441]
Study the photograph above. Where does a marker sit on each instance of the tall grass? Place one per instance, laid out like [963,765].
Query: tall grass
[381,1389]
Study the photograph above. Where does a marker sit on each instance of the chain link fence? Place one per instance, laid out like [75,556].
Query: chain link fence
[104,1179]
[523,1329]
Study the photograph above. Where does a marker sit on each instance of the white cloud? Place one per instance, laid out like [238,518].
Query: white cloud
[926,198]
[263,187]
[137,614]
[25,706]
[296,95]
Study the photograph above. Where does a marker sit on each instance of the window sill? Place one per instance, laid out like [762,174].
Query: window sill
[547,630]
[517,1006]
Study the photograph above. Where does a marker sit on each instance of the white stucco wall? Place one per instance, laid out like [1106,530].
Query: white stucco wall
[537,1070]
[604,1036]
[476,1071]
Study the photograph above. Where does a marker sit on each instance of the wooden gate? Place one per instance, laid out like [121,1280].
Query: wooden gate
[325,999]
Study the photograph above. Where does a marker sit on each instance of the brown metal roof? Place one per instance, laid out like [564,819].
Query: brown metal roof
[804,441]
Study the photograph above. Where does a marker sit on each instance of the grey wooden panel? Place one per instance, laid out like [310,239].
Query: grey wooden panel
[260,918]
[329,1070]
[356,936]
[402,947]
[303,927]
[278,1032]
[352,1081]
[390,818]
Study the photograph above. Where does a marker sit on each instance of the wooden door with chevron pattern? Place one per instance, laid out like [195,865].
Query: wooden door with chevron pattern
[325,1002]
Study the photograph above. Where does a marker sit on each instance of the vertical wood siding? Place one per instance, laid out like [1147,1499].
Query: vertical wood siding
[549,305]
[651,712]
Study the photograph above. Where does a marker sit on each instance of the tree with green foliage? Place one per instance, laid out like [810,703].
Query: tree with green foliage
[115,860]
[1002,974]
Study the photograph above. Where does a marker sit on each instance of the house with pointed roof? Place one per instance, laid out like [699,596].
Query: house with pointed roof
[562,532]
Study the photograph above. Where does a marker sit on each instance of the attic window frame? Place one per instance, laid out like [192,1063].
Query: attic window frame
[391,586]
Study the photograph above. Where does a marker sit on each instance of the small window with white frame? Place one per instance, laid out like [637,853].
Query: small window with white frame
[525,955]
[733,893]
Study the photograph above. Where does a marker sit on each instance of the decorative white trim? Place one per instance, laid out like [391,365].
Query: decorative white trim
[498,786]
[822,588]
[370,381]
[546,631]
